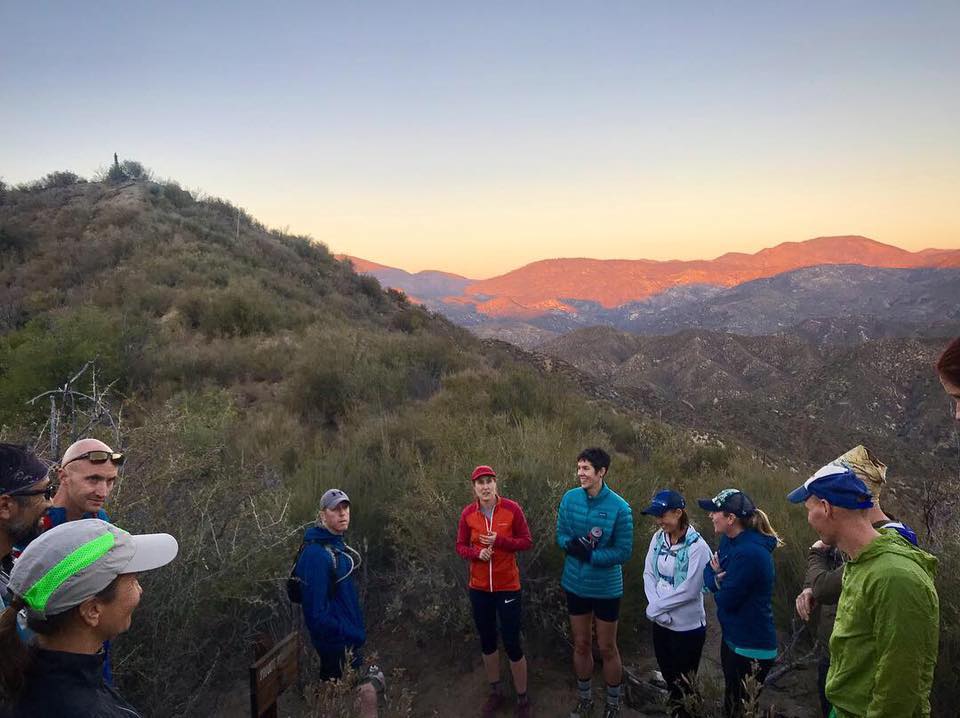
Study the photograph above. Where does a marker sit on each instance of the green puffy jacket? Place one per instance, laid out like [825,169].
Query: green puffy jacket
[884,645]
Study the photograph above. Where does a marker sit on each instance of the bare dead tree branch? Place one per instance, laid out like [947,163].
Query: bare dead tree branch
[80,407]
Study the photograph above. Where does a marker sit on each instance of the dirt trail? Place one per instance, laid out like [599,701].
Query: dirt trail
[448,680]
[454,686]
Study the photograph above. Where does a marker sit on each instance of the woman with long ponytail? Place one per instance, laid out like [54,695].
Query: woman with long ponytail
[17,655]
[740,576]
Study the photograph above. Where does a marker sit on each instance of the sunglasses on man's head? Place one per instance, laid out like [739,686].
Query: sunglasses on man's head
[47,492]
[99,457]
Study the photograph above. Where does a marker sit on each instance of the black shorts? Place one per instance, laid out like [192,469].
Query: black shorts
[331,663]
[604,609]
[505,605]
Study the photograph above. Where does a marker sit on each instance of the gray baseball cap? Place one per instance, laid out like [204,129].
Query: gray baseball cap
[333,498]
[76,560]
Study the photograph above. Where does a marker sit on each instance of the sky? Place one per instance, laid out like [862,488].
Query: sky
[478,137]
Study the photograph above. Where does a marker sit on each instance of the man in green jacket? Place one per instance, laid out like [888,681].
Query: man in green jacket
[884,645]
[824,577]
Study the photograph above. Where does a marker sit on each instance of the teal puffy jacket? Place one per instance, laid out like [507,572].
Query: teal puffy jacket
[578,513]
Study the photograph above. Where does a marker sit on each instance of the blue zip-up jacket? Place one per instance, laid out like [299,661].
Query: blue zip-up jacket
[602,577]
[335,621]
[745,593]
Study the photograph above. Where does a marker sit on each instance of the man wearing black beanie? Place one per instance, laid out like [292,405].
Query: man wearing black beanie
[25,494]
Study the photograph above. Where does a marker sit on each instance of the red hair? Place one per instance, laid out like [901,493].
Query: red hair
[948,365]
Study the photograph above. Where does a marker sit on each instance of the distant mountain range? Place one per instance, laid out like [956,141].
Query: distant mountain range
[829,289]
[782,394]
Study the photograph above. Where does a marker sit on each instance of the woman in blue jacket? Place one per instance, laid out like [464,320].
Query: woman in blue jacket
[740,576]
[673,582]
[595,528]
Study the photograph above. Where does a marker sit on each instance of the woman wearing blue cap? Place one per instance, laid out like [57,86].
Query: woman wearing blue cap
[673,581]
[740,576]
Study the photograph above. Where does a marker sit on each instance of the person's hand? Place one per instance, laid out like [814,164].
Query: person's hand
[486,553]
[715,565]
[487,539]
[805,603]
[579,549]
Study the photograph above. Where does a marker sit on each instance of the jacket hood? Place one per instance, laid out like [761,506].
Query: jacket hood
[321,535]
[752,536]
[690,538]
[889,542]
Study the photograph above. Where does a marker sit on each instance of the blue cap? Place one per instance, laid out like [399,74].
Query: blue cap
[730,501]
[836,484]
[664,501]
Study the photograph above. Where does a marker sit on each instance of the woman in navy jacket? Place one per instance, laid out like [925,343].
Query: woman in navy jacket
[740,576]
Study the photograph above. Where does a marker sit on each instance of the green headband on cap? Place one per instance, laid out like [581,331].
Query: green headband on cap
[70,565]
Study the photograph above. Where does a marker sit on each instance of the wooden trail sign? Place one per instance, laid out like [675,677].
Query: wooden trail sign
[272,673]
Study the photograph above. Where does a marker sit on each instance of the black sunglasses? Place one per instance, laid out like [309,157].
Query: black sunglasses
[99,457]
[48,492]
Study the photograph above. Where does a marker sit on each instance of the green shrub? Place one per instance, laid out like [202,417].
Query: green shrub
[176,195]
[49,350]
[706,458]
[19,241]
[61,179]
[521,393]
[192,475]
[239,310]
[135,171]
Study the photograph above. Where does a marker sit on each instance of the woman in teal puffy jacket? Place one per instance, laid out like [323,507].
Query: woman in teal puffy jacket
[595,528]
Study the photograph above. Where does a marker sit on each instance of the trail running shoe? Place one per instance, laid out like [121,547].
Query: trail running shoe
[490,708]
[524,710]
[584,709]
[611,711]
[375,677]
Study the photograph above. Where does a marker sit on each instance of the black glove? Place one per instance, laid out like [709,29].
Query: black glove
[580,549]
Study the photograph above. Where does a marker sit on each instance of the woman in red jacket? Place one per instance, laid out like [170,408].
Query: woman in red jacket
[492,529]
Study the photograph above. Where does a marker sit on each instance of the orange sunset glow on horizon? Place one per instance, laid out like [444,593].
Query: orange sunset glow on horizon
[475,140]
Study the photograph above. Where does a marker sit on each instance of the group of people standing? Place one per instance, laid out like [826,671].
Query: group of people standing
[595,530]
[882,641]
[872,584]
[68,586]
[68,582]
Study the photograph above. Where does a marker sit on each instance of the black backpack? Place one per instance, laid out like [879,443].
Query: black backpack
[295,583]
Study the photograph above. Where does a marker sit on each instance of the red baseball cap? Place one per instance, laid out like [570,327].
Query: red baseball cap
[482,471]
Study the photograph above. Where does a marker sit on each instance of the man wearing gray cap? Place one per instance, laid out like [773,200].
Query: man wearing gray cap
[331,605]
[24,496]
[77,584]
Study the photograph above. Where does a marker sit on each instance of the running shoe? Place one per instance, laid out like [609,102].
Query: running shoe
[584,709]
[524,710]
[611,711]
[490,708]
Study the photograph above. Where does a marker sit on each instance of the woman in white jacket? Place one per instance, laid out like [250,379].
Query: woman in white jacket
[673,581]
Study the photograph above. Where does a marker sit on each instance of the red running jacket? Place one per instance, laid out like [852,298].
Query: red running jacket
[513,534]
